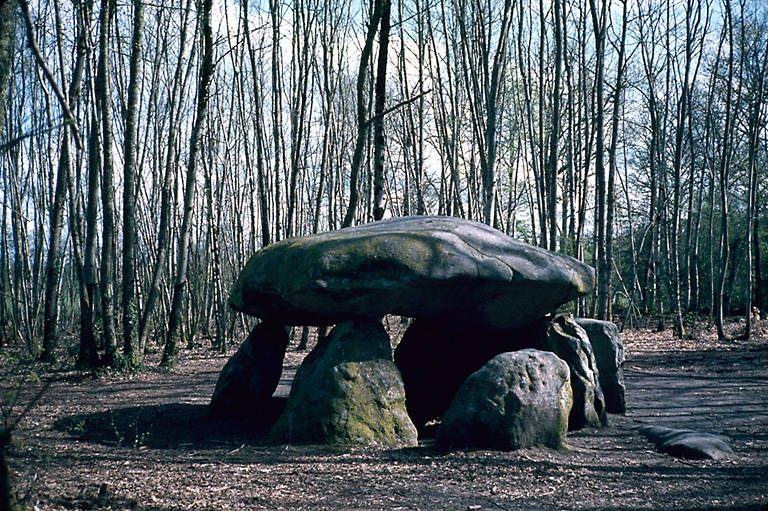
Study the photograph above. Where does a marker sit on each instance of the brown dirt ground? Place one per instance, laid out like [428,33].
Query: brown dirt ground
[140,442]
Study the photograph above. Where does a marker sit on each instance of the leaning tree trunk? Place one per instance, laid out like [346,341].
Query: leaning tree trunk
[362,113]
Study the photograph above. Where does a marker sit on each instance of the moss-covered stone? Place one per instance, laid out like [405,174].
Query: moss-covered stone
[442,268]
[518,399]
[348,392]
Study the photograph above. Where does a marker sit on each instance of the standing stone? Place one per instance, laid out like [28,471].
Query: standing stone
[348,392]
[570,342]
[609,355]
[435,357]
[518,399]
[250,377]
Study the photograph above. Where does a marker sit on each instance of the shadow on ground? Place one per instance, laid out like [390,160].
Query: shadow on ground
[168,426]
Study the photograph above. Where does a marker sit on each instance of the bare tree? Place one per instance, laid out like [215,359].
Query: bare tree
[108,245]
[379,141]
[131,345]
[362,115]
[201,111]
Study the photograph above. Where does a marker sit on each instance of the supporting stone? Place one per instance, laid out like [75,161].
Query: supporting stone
[518,399]
[570,342]
[609,355]
[250,377]
[435,358]
[348,391]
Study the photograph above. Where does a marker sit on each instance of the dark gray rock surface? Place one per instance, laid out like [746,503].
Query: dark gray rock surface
[250,376]
[435,358]
[609,355]
[570,342]
[348,392]
[686,443]
[443,268]
[518,399]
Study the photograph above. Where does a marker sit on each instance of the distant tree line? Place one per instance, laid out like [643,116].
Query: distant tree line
[148,148]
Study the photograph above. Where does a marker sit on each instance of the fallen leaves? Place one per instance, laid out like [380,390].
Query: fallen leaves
[178,464]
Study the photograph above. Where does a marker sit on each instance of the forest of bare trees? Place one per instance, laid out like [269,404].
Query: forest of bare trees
[148,148]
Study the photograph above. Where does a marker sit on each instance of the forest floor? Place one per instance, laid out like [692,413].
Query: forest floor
[140,442]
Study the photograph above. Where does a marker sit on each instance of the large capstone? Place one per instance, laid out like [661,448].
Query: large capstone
[518,399]
[440,268]
[570,342]
[348,392]
[435,357]
[609,355]
[250,377]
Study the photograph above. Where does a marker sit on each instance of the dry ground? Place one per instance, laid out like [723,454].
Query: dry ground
[140,442]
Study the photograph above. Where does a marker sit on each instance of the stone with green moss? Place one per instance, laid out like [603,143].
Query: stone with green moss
[516,400]
[348,392]
[423,266]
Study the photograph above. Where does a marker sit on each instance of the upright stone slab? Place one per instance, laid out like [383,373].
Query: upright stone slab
[518,399]
[348,392]
[609,355]
[250,377]
[440,268]
[570,342]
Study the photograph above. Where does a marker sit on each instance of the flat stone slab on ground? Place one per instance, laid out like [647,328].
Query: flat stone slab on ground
[686,443]
[421,266]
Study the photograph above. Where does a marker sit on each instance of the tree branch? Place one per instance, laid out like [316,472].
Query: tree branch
[399,105]
[69,117]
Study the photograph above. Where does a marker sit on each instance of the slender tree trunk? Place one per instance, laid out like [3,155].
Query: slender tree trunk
[108,249]
[130,307]
[612,156]
[277,115]
[379,141]
[88,354]
[55,255]
[166,193]
[498,71]
[603,264]
[753,249]
[551,169]
[8,19]
[362,114]
[261,177]
[680,129]
[201,110]
[723,170]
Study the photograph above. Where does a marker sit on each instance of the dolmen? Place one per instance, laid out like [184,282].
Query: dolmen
[486,355]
